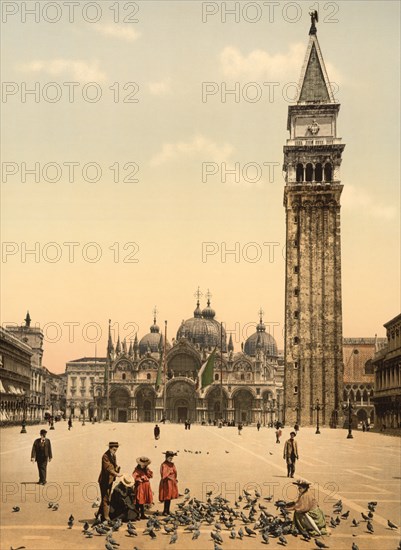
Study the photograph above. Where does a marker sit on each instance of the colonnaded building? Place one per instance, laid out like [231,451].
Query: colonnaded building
[122,386]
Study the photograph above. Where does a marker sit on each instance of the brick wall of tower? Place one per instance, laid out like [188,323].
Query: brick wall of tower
[313,266]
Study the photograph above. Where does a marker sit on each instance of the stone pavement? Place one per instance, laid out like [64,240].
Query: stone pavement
[357,470]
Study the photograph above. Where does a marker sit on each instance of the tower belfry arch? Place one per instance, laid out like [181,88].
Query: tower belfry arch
[313,304]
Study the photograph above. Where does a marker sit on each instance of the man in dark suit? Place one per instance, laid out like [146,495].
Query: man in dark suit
[108,474]
[291,454]
[42,453]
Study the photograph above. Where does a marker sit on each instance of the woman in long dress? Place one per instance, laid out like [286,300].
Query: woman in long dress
[308,517]
[168,487]
[143,492]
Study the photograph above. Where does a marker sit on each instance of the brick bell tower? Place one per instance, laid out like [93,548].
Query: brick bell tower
[313,306]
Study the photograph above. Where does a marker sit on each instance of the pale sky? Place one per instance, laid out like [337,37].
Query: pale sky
[160,138]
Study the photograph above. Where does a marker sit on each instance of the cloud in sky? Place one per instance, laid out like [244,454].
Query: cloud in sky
[79,69]
[161,88]
[261,64]
[359,199]
[118,31]
[199,145]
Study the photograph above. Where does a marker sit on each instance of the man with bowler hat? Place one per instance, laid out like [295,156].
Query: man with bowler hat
[42,453]
[108,474]
[291,454]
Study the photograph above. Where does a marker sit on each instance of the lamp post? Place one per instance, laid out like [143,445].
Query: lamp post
[316,407]
[349,408]
[23,423]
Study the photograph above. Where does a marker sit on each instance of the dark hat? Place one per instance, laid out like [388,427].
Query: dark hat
[293,433]
[43,432]
[113,444]
[301,483]
[170,453]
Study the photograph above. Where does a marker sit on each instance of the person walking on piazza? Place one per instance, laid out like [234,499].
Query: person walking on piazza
[156,432]
[290,454]
[308,518]
[240,426]
[109,472]
[69,423]
[168,487]
[143,491]
[258,426]
[42,454]
[278,434]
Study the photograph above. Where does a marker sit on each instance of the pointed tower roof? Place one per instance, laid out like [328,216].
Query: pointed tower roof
[314,85]
[230,343]
[27,320]
[110,347]
[118,346]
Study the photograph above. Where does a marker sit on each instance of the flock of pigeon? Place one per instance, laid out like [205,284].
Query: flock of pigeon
[217,521]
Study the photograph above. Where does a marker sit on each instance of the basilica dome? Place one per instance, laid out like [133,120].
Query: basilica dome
[153,341]
[261,339]
[203,329]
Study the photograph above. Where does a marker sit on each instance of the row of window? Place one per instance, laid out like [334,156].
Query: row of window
[314,172]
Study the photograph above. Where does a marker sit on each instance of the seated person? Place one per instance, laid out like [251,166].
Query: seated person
[308,518]
[122,500]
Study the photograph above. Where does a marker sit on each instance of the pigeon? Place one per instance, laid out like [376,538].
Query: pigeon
[283,540]
[265,537]
[355,523]
[369,527]
[131,531]
[392,525]
[186,491]
[233,534]
[19,548]
[216,537]
[320,544]
[110,539]
[365,517]
[240,533]
[70,522]
[249,532]
[86,526]
[173,538]
[16,508]
[50,504]
[109,546]
[195,534]
[345,515]
[355,546]
[55,508]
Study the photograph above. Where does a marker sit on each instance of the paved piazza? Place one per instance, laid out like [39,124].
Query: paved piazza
[356,471]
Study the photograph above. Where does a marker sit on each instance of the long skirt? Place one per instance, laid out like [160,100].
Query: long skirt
[303,523]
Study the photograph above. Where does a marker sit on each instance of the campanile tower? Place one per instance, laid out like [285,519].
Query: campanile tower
[313,310]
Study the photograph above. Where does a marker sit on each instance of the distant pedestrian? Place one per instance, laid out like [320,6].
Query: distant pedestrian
[156,432]
[143,492]
[107,475]
[186,424]
[189,424]
[240,426]
[168,487]
[258,426]
[363,427]
[42,454]
[296,428]
[290,454]
[69,423]
[278,434]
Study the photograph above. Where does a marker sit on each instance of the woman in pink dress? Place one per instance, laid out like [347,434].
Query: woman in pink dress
[143,492]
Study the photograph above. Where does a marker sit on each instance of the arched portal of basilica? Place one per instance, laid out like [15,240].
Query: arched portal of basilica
[243,405]
[145,401]
[119,404]
[181,400]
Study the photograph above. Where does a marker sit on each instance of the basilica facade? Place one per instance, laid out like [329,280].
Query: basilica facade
[247,385]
